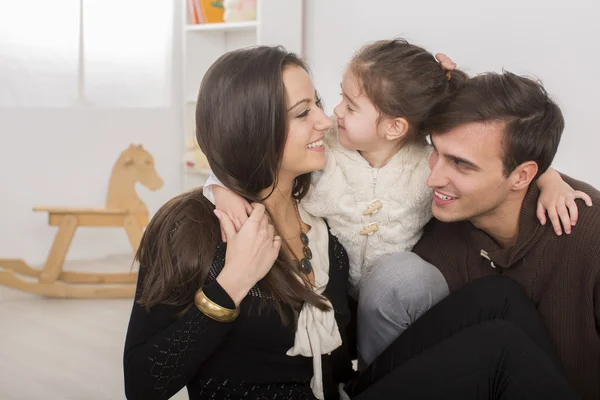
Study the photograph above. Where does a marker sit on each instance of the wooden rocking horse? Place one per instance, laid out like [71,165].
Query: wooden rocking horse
[123,209]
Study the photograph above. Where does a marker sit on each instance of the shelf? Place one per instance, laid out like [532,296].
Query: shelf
[223,26]
[203,44]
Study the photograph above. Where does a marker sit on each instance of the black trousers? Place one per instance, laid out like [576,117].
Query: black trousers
[484,341]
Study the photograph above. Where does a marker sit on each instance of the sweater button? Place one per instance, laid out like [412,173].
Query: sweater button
[370,229]
[373,207]
[485,255]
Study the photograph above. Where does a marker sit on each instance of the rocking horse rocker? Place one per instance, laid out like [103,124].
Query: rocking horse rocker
[123,209]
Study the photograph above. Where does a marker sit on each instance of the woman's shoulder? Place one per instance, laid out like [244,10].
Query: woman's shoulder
[191,210]
[184,223]
[178,247]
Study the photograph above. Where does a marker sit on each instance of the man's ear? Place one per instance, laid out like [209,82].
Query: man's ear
[523,175]
[396,128]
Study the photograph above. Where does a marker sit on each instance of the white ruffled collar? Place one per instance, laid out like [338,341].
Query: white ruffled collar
[317,332]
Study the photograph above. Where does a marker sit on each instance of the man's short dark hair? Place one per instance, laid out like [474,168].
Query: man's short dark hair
[533,123]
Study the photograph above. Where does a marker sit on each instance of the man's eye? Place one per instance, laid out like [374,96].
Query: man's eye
[461,165]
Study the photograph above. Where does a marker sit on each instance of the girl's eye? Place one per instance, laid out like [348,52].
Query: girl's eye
[349,108]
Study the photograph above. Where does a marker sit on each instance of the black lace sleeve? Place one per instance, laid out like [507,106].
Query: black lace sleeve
[164,350]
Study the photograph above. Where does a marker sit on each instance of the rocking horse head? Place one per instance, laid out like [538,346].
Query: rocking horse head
[137,165]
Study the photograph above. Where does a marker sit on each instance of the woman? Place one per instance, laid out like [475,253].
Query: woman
[266,316]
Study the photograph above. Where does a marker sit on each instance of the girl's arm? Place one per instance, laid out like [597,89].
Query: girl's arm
[557,198]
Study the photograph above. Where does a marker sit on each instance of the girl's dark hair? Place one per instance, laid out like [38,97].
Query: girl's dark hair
[403,80]
[241,126]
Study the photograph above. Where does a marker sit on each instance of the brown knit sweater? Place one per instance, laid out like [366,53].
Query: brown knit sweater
[561,274]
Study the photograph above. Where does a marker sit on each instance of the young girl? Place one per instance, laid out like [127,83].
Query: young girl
[372,191]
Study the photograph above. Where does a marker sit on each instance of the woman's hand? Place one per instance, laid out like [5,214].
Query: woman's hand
[251,252]
[558,199]
[236,208]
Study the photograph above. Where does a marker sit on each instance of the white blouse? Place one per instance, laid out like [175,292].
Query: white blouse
[317,331]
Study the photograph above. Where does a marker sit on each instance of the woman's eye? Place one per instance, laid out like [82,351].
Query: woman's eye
[349,108]
[319,103]
[303,114]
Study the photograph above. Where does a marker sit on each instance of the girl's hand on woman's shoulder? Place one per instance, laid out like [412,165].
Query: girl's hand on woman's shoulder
[237,209]
[251,252]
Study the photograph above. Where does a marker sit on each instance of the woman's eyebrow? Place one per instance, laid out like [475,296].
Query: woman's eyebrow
[298,103]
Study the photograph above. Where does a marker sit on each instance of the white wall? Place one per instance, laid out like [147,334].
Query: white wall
[556,41]
[64,156]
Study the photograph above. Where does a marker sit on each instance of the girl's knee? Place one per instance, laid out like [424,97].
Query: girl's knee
[412,274]
[400,278]
[400,267]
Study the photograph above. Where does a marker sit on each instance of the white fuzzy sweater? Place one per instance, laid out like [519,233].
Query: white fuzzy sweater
[348,185]
[342,191]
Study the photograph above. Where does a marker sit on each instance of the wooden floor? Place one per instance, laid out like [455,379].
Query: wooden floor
[64,349]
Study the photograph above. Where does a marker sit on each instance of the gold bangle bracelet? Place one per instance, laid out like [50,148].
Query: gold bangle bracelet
[213,310]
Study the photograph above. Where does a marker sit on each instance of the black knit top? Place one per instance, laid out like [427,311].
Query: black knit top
[244,359]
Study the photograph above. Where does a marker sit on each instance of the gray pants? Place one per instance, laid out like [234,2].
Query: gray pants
[401,288]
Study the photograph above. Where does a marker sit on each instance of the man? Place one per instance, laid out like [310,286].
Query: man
[492,139]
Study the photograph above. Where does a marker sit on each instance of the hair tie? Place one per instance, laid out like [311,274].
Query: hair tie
[447,64]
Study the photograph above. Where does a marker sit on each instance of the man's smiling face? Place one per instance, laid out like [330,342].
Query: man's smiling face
[467,172]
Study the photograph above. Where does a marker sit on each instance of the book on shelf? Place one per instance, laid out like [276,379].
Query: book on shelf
[218,11]
[205,11]
[193,13]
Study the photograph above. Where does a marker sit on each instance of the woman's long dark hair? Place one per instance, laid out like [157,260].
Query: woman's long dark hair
[241,126]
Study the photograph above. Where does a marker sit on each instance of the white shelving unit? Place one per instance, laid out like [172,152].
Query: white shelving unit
[278,23]
[224,27]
